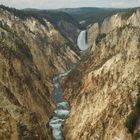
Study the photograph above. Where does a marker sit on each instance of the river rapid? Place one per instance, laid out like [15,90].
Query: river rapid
[62,107]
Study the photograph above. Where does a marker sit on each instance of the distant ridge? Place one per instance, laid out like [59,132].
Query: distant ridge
[81,17]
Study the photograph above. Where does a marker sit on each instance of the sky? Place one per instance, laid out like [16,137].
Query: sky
[55,4]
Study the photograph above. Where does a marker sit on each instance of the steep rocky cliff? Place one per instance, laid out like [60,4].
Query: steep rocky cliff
[64,22]
[31,53]
[69,30]
[116,21]
[104,89]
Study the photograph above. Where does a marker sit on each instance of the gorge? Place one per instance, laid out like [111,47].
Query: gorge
[62,107]
[68,75]
[103,102]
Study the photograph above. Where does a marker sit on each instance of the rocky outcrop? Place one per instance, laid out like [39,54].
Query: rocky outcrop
[117,20]
[69,30]
[31,53]
[111,23]
[92,34]
[103,91]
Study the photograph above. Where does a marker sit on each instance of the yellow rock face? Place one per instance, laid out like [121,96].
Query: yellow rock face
[105,87]
[30,55]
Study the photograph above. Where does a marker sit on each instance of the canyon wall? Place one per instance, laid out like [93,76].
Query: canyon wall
[31,53]
[111,23]
[104,89]
[69,30]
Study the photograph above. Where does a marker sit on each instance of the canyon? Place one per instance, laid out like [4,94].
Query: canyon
[62,107]
[31,54]
[59,81]
[103,90]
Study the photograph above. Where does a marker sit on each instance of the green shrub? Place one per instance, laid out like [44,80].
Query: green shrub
[128,12]
[72,74]
[133,118]
[4,26]
[100,37]
[24,14]
[137,136]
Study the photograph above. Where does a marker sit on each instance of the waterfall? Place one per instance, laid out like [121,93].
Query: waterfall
[82,40]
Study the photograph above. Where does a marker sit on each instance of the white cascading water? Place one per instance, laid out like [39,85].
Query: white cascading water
[82,41]
[62,108]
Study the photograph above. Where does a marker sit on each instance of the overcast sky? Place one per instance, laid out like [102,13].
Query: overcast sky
[54,4]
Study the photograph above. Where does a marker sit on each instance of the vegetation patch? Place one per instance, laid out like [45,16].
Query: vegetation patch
[4,26]
[100,37]
[134,117]
[128,13]
[56,16]
[137,136]
[24,14]
[87,16]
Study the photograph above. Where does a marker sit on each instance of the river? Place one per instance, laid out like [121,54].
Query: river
[62,107]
